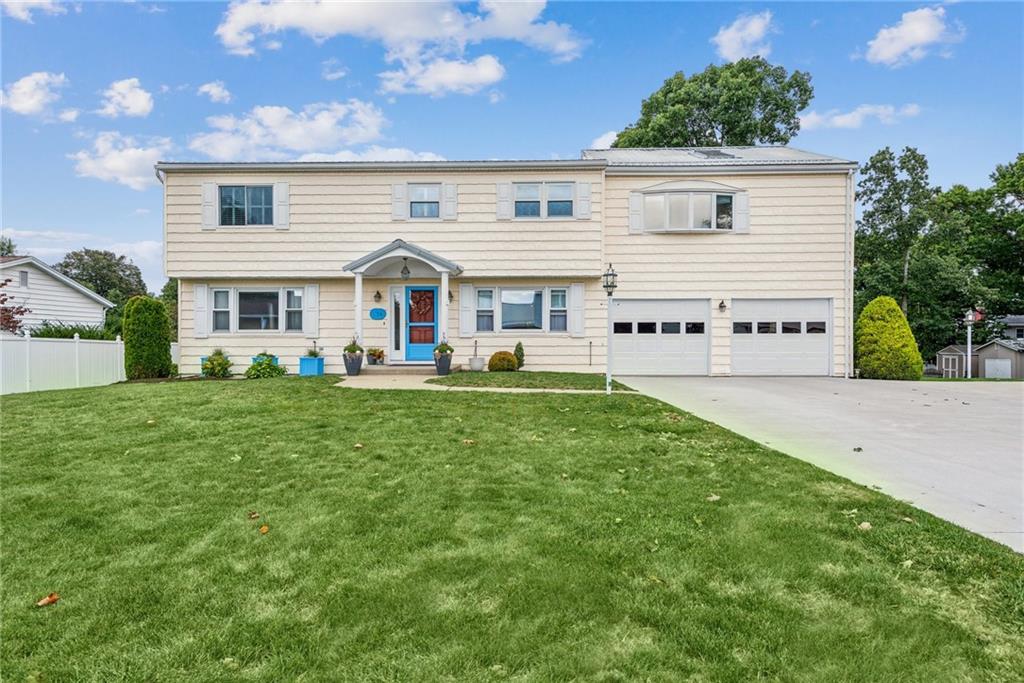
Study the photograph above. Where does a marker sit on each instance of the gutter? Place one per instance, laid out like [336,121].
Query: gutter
[731,169]
[849,245]
[389,166]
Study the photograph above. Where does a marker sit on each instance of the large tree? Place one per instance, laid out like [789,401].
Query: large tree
[109,275]
[746,102]
[7,246]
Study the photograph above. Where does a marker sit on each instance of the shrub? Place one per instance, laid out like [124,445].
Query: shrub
[502,361]
[885,346]
[520,355]
[444,347]
[217,365]
[353,347]
[313,352]
[264,367]
[59,330]
[147,338]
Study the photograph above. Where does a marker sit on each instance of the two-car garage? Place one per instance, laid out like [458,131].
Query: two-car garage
[768,336]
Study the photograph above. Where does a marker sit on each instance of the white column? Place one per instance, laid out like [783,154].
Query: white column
[359,308]
[443,322]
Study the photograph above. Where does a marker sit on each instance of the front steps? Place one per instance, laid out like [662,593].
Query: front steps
[420,370]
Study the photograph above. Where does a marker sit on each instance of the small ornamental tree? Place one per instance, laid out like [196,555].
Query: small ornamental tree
[885,346]
[520,355]
[147,338]
[10,314]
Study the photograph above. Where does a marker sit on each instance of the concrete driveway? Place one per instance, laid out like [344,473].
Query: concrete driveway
[955,449]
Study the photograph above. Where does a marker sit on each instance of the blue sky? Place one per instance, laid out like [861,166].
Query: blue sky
[95,92]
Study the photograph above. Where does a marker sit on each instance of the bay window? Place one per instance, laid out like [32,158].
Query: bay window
[679,211]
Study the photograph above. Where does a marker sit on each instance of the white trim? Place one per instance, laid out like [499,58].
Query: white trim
[570,292]
[713,196]
[272,225]
[233,310]
[544,184]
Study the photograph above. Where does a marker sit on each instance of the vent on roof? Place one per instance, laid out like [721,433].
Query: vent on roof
[713,154]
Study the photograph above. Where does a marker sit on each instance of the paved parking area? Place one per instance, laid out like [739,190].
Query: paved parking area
[955,449]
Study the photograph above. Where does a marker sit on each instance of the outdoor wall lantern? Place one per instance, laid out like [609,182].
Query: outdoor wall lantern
[377,297]
[610,280]
[451,297]
[405,269]
[721,306]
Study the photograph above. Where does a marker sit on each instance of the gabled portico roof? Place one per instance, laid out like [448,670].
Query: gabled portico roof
[402,248]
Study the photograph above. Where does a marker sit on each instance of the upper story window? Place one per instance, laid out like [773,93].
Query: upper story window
[668,211]
[424,201]
[246,205]
[23,278]
[544,200]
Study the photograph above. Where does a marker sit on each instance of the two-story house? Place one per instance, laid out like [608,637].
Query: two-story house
[733,260]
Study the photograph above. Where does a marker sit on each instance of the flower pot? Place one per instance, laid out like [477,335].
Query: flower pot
[353,364]
[255,359]
[311,367]
[372,360]
[476,363]
[443,363]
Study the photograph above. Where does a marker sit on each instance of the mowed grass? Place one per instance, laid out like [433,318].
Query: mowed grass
[473,536]
[524,379]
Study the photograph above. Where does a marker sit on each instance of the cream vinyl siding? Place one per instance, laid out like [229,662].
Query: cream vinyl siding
[338,217]
[50,299]
[797,247]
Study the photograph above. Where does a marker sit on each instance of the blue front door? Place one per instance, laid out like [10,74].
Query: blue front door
[421,322]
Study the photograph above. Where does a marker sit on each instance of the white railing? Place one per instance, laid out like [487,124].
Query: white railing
[28,364]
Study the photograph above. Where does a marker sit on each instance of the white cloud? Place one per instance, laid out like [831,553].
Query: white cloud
[913,37]
[883,113]
[46,235]
[605,140]
[121,159]
[273,45]
[278,133]
[495,96]
[216,91]
[68,115]
[443,76]
[745,37]
[141,212]
[22,9]
[34,93]
[427,40]
[331,70]
[374,153]
[126,97]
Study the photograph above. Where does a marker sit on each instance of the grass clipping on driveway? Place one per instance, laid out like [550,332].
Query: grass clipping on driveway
[524,379]
[418,536]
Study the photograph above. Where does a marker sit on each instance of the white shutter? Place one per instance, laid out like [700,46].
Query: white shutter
[504,201]
[583,200]
[200,312]
[209,220]
[311,311]
[577,302]
[636,216]
[281,206]
[399,202]
[741,213]
[449,201]
[467,311]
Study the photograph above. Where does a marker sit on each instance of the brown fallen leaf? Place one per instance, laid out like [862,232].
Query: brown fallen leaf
[264,529]
[48,600]
[252,514]
[468,442]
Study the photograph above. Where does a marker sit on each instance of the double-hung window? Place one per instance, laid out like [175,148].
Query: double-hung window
[485,310]
[424,201]
[23,278]
[246,204]
[677,211]
[293,310]
[544,200]
[221,310]
[558,314]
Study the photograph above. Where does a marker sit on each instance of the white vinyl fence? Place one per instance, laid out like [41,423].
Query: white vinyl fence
[28,364]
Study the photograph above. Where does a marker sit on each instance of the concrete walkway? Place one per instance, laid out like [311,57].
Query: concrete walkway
[955,449]
[420,382]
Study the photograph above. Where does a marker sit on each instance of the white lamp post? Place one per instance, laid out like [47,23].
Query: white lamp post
[610,280]
[969,319]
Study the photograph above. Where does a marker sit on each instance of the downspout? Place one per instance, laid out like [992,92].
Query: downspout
[849,273]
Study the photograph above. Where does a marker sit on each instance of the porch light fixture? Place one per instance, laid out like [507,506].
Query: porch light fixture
[721,306]
[377,297]
[405,269]
[610,280]
[451,297]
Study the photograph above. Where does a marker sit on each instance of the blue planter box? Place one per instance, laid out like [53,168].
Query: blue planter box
[256,359]
[311,367]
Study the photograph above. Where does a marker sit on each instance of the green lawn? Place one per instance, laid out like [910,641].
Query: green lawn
[472,536]
[528,380]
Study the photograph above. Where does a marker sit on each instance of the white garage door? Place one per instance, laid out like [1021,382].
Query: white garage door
[997,368]
[781,336]
[661,336]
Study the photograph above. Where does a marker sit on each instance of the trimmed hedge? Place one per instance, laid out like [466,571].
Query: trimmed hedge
[502,361]
[59,330]
[885,346]
[147,338]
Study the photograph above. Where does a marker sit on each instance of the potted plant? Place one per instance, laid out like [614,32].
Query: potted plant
[443,358]
[312,364]
[353,358]
[375,356]
[476,361]
[263,354]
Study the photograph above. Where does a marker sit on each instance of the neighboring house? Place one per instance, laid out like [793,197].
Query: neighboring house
[49,294]
[1014,326]
[734,260]
[1001,359]
[951,361]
